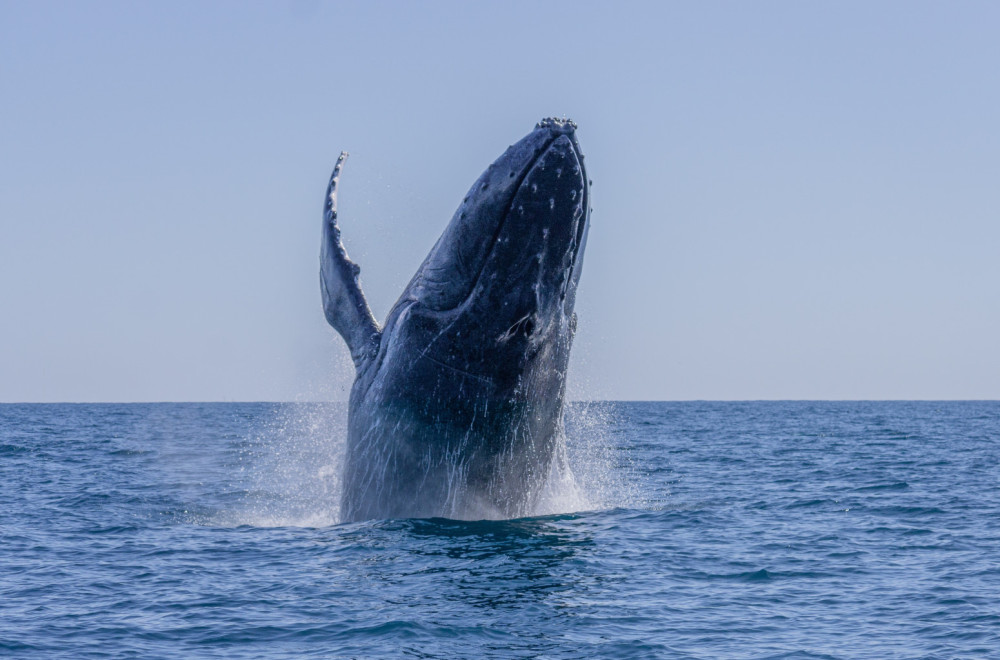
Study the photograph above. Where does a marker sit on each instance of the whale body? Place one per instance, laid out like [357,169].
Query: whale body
[456,408]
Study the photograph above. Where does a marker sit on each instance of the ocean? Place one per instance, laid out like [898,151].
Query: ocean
[687,530]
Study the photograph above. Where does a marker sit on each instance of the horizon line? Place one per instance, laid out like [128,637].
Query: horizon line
[311,401]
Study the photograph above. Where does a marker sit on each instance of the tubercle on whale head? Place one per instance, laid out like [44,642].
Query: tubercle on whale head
[557,123]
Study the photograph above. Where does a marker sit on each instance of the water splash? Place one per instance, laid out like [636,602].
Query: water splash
[589,471]
[291,467]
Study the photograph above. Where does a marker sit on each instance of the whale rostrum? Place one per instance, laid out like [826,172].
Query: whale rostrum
[456,407]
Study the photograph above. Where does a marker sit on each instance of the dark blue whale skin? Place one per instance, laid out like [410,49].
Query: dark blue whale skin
[456,407]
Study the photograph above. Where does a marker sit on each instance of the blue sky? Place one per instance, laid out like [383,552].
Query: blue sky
[791,200]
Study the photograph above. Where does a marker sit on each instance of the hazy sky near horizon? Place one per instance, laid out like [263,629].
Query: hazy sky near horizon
[791,200]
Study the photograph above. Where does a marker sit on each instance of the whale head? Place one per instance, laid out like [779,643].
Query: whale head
[494,298]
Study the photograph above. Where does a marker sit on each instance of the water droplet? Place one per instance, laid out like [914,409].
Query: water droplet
[552,203]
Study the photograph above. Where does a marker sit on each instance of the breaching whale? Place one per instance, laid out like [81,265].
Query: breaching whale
[456,407]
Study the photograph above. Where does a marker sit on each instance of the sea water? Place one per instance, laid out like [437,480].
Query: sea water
[680,530]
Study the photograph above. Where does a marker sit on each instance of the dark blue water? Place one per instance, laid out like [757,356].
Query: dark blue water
[705,530]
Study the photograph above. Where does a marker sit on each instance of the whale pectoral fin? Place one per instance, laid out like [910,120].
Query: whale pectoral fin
[343,301]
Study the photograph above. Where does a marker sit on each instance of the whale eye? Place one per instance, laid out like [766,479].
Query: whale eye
[523,327]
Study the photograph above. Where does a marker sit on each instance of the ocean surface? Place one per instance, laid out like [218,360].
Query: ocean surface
[687,530]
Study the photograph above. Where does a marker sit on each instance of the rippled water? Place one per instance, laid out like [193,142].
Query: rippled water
[693,530]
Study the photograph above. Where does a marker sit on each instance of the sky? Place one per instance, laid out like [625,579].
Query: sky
[791,200]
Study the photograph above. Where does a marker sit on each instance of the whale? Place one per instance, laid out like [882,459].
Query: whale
[456,409]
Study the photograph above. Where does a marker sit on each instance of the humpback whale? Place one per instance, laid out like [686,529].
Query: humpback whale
[456,406]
